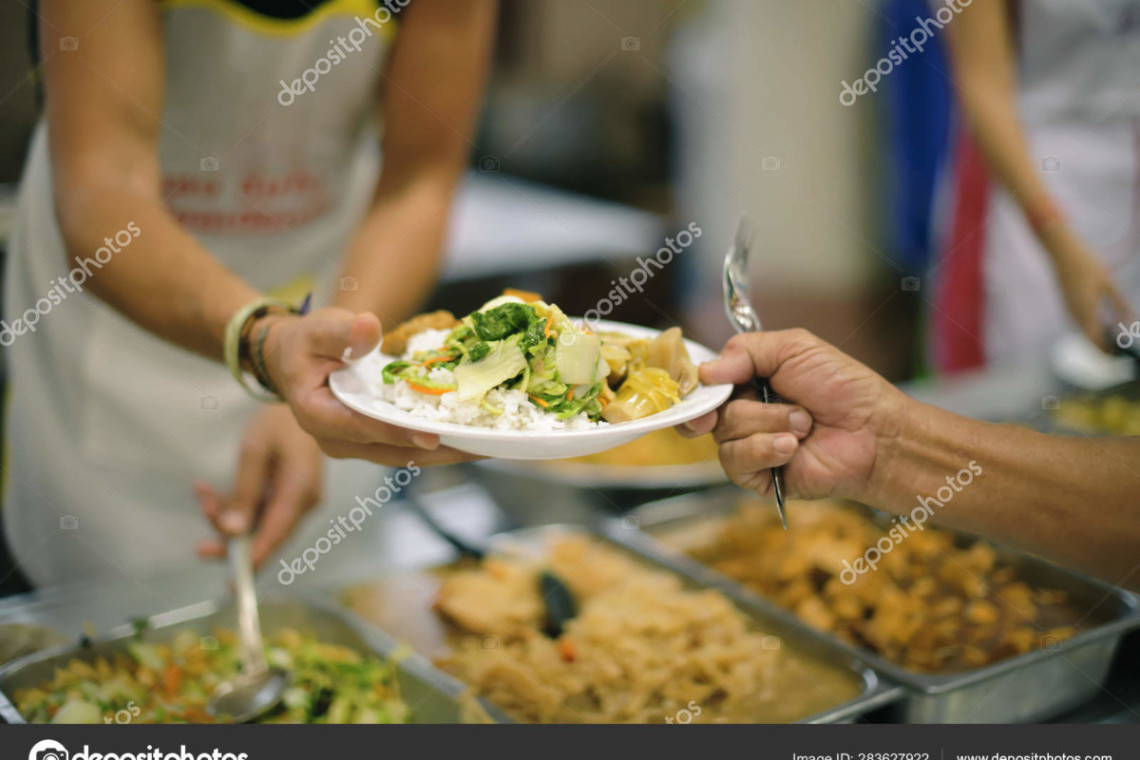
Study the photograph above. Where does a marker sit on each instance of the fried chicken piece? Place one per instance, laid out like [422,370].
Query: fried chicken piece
[982,613]
[1019,597]
[396,341]
[815,613]
[501,598]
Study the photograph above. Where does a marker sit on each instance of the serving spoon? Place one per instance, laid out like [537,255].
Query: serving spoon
[259,688]
[557,599]
[738,307]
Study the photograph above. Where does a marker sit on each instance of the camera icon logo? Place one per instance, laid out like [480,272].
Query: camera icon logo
[1050,642]
[209,164]
[209,643]
[770,642]
[210,402]
[631,44]
[911,284]
[631,522]
[770,163]
[1051,164]
[68,43]
[489,164]
[69,522]
[490,642]
[1051,403]
[349,283]
[48,749]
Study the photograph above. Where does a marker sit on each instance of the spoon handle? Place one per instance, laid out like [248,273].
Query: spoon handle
[249,625]
[768,397]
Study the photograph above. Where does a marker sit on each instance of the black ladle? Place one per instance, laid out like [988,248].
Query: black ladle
[557,598]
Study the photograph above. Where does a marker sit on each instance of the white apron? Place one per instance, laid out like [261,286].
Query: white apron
[107,425]
[1079,92]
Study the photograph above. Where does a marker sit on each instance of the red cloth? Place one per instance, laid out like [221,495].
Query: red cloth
[958,319]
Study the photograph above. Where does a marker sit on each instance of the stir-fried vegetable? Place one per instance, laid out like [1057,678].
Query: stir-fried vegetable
[511,343]
[519,342]
[173,683]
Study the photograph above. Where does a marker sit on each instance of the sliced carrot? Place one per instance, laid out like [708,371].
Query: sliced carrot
[568,649]
[526,295]
[570,394]
[546,329]
[172,679]
[444,358]
[538,401]
[429,391]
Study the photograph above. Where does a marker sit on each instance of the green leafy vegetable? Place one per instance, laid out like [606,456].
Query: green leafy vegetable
[504,362]
[503,320]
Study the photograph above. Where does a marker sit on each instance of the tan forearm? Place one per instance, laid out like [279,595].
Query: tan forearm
[163,280]
[432,91]
[395,257]
[1071,500]
[984,62]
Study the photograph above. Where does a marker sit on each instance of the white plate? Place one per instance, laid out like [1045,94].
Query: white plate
[357,387]
[1079,363]
[617,476]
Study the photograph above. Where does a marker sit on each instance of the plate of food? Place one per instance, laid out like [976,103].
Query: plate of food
[519,379]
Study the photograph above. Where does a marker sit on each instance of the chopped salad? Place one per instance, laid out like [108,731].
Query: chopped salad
[173,683]
[518,342]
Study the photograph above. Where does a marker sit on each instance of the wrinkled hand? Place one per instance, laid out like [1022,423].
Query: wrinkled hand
[278,481]
[1088,286]
[301,353]
[832,434]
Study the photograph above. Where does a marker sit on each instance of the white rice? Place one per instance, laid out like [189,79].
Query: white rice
[518,411]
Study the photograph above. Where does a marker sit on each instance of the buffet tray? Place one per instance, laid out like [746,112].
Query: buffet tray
[875,691]
[432,696]
[1033,687]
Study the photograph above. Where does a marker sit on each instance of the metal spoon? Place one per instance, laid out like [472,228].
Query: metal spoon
[738,307]
[259,688]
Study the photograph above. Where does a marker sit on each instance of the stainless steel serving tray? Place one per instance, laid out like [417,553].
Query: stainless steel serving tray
[875,693]
[1028,688]
[432,696]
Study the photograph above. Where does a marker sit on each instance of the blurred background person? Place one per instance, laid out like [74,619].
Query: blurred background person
[1041,236]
